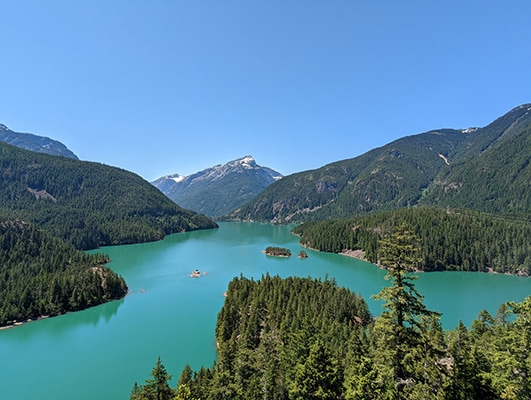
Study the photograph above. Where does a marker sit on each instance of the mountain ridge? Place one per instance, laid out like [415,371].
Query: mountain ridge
[40,144]
[219,189]
[403,173]
[85,203]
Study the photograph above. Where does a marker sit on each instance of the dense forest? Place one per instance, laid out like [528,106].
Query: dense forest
[449,239]
[43,276]
[497,182]
[87,204]
[305,339]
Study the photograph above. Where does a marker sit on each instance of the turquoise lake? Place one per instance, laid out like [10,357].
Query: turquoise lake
[99,353]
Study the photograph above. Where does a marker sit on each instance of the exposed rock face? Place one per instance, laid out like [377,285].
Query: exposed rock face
[40,144]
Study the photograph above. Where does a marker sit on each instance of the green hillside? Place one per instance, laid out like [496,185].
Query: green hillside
[85,203]
[388,177]
[486,169]
[497,181]
[449,240]
[43,276]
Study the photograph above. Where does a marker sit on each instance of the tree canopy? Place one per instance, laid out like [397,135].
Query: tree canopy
[449,239]
[300,338]
[43,276]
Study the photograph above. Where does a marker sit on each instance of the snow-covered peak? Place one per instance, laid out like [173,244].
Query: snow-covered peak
[246,162]
[469,130]
[219,172]
[219,189]
[177,178]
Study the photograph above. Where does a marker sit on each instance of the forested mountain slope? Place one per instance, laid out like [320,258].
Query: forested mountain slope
[388,177]
[87,204]
[496,181]
[43,276]
[503,128]
[449,240]
[220,189]
[36,143]
[402,174]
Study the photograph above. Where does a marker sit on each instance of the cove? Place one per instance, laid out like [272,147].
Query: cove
[99,353]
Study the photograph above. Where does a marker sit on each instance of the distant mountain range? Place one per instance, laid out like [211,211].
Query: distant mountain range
[486,169]
[220,189]
[40,144]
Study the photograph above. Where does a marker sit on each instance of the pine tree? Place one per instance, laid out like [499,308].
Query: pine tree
[156,388]
[319,378]
[399,330]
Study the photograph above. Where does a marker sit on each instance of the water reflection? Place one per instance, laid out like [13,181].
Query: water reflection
[63,324]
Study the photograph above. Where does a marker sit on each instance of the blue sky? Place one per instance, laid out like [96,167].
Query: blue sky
[161,86]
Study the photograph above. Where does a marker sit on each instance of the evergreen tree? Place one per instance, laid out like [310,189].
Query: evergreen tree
[186,376]
[319,378]
[363,383]
[466,380]
[156,388]
[399,331]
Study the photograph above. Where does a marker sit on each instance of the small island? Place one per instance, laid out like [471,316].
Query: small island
[277,251]
[302,254]
[195,274]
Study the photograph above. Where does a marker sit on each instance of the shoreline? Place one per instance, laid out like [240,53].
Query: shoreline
[26,321]
[17,323]
[360,255]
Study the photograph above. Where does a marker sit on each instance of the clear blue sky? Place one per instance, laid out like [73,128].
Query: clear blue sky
[165,86]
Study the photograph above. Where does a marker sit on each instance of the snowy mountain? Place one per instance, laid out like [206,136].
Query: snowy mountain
[40,144]
[220,189]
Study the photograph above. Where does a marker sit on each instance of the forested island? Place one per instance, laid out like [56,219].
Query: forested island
[449,240]
[301,338]
[277,251]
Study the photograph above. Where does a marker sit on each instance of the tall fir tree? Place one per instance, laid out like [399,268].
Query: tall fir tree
[399,332]
[157,387]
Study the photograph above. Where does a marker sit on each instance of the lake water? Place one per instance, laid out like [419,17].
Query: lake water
[99,353]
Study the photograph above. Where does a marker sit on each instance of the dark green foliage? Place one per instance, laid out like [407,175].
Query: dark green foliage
[265,332]
[44,276]
[156,387]
[320,377]
[277,251]
[449,240]
[299,338]
[402,333]
[498,181]
[487,170]
[87,204]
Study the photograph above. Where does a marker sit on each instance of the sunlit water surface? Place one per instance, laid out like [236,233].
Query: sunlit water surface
[99,353]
